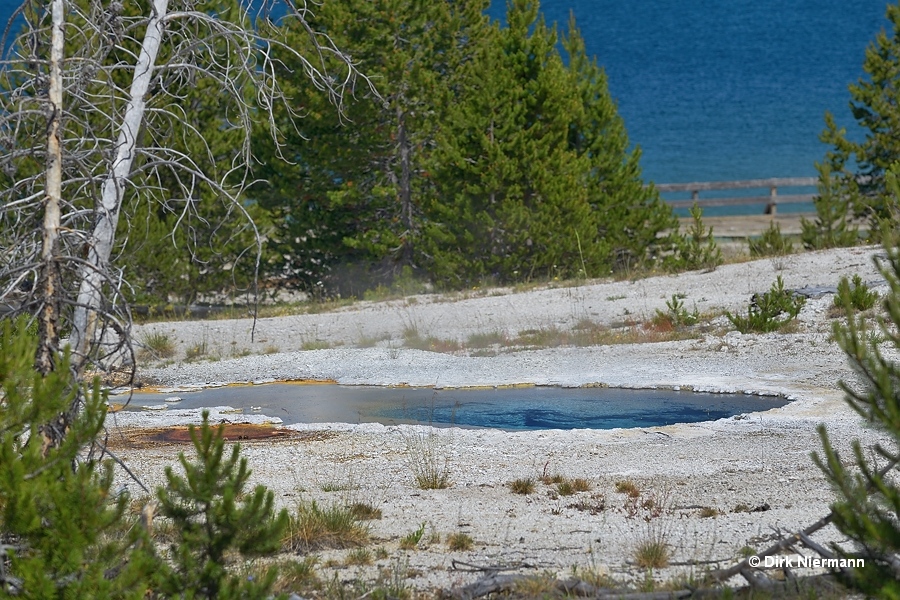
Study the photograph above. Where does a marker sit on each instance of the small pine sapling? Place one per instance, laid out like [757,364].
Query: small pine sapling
[770,243]
[858,297]
[215,518]
[769,311]
[61,524]
[697,249]
[867,507]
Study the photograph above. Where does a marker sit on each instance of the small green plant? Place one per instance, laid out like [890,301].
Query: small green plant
[215,519]
[486,340]
[313,527]
[156,346]
[697,249]
[428,461]
[358,556]
[769,311]
[411,540]
[460,542]
[676,315]
[770,243]
[309,345]
[336,486]
[859,297]
[296,575]
[196,351]
[522,486]
[564,488]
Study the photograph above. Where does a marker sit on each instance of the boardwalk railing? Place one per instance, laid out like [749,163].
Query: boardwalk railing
[771,200]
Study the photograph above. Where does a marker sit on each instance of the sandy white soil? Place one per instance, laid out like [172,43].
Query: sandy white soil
[755,460]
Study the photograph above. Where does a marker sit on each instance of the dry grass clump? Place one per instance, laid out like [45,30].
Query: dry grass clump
[358,556]
[313,527]
[156,346]
[460,541]
[564,488]
[428,461]
[523,486]
[708,512]
[413,339]
[365,512]
[554,479]
[652,552]
[296,576]
[581,485]
[629,488]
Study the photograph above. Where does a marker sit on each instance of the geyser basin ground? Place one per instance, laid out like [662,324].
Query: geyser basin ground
[513,408]
[727,465]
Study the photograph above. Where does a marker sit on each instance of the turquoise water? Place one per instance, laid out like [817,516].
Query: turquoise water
[512,409]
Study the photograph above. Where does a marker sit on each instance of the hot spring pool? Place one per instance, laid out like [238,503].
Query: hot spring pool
[524,408]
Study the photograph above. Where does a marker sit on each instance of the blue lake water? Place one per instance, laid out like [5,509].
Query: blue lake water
[714,90]
[526,408]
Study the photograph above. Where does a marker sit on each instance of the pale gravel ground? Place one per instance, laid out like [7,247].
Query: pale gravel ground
[763,458]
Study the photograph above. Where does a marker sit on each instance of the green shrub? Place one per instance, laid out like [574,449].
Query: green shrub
[769,311]
[770,243]
[697,249]
[859,297]
[215,519]
[61,523]
[676,314]
[867,509]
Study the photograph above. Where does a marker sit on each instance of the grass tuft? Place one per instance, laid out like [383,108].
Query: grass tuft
[428,461]
[313,527]
[460,542]
[365,512]
[156,346]
[629,488]
[523,486]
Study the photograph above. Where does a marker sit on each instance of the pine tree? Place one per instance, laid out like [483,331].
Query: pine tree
[831,227]
[632,217]
[62,526]
[860,167]
[867,509]
[215,517]
[353,194]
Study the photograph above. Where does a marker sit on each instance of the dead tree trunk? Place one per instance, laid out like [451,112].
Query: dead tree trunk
[49,285]
[101,240]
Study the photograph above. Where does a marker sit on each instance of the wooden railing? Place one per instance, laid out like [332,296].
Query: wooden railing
[771,200]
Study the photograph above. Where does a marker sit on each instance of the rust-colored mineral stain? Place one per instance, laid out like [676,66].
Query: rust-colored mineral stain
[233,432]
[138,437]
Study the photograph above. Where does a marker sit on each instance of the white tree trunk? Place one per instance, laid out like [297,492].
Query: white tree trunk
[49,276]
[102,239]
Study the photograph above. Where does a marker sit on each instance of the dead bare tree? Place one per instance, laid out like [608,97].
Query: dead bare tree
[90,97]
